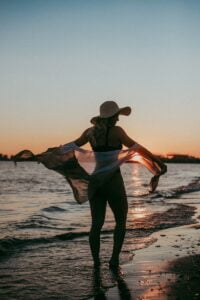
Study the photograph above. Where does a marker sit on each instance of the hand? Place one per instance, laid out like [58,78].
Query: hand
[162,166]
[163,169]
[154,183]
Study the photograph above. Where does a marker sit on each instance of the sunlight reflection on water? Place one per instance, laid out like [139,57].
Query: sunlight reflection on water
[138,212]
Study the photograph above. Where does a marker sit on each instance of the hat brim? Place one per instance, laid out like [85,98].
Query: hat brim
[125,111]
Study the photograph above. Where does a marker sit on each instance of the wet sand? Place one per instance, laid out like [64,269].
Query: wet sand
[168,269]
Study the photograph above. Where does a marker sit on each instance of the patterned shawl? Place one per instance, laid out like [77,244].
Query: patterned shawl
[80,166]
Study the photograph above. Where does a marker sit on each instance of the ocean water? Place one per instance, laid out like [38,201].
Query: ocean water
[44,249]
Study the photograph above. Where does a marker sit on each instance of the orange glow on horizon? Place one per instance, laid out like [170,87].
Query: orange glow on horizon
[39,142]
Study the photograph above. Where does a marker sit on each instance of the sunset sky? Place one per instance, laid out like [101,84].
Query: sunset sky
[59,60]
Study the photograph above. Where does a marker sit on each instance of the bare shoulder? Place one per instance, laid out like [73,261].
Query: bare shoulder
[118,133]
[123,137]
[88,130]
[118,130]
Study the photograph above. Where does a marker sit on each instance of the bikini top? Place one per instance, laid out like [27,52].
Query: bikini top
[106,147]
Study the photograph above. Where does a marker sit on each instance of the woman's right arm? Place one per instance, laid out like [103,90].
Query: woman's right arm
[124,138]
[128,142]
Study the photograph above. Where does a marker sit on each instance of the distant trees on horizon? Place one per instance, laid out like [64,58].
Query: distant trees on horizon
[179,158]
[4,157]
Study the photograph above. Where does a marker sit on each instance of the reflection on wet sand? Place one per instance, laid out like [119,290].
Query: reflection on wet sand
[117,276]
[138,212]
[168,269]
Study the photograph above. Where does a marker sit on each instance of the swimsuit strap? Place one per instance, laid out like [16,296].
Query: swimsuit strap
[107,133]
[105,147]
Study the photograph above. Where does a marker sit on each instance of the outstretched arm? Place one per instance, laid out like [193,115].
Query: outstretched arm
[83,139]
[128,142]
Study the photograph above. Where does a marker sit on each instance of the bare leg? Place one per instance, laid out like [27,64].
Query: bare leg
[118,203]
[98,210]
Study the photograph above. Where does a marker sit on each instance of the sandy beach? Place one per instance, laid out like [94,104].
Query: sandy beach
[168,269]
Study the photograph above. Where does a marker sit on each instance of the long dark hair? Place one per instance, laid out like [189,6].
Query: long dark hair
[97,134]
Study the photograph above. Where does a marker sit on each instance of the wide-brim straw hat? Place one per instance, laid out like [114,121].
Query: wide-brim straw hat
[109,109]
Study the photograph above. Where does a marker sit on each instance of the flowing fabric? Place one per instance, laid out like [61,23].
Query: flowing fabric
[80,166]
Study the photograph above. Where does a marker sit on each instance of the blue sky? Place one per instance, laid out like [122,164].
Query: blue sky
[61,59]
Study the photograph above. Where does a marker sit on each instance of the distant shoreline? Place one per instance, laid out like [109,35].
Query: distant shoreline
[178,159]
[171,161]
[128,162]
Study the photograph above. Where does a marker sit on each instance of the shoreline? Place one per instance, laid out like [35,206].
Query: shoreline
[161,271]
[168,269]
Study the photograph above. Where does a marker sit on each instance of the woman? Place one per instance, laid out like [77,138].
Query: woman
[106,136]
